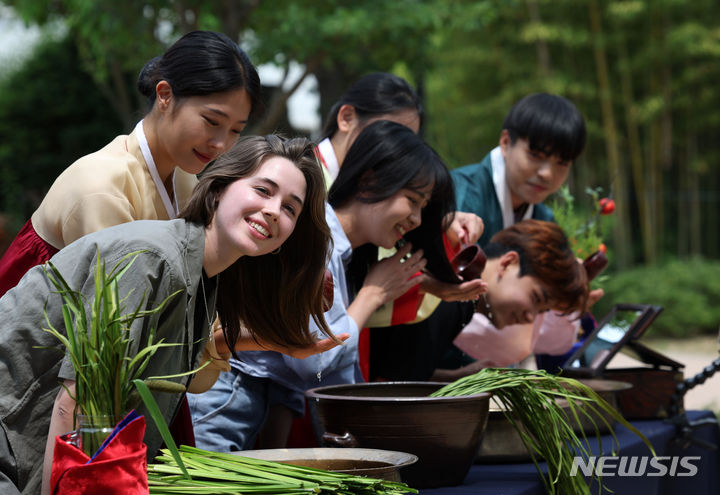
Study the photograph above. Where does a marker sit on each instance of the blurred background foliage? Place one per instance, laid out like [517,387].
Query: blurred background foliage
[643,72]
[688,290]
[48,112]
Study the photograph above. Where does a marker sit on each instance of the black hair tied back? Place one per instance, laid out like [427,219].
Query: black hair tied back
[146,78]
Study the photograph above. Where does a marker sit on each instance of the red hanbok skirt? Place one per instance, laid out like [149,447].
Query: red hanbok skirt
[27,250]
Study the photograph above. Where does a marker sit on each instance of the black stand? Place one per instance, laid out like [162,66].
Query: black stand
[679,419]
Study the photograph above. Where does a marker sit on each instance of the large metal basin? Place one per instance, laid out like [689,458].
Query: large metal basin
[443,432]
[501,441]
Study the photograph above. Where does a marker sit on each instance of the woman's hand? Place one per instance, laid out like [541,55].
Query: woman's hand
[315,348]
[387,280]
[466,228]
[594,296]
[246,342]
[466,291]
[391,277]
[61,422]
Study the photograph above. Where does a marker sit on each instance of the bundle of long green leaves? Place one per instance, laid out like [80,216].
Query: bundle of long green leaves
[546,425]
[97,340]
[213,472]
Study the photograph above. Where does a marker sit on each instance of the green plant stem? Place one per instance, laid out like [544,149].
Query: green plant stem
[530,401]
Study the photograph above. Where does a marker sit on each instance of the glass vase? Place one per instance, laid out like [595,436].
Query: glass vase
[93,430]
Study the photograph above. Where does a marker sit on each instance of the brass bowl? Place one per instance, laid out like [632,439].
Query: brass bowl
[608,390]
[502,443]
[374,463]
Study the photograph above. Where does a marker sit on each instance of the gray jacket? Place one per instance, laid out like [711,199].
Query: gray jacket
[32,361]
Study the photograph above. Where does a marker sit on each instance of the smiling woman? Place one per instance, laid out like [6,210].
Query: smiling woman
[391,185]
[188,133]
[258,214]
[276,296]
[200,94]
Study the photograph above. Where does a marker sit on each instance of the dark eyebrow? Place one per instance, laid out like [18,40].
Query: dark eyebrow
[223,114]
[275,186]
[421,194]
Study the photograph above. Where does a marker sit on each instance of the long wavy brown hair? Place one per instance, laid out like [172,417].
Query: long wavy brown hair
[275,295]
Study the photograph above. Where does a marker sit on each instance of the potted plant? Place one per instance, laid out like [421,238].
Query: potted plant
[97,340]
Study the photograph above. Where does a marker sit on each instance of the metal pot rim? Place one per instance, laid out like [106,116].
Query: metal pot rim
[325,393]
[395,458]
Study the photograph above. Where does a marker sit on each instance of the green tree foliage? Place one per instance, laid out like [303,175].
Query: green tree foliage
[328,37]
[641,72]
[113,41]
[338,41]
[50,114]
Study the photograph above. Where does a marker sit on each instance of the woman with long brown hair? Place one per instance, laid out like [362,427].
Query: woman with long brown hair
[251,245]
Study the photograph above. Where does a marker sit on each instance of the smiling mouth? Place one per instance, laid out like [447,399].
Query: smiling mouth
[202,157]
[259,228]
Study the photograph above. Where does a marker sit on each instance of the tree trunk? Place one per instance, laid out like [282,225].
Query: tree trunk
[689,228]
[122,100]
[277,107]
[633,134]
[543,53]
[115,91]
[694,211]
[333,82]
[648,196]
[234,15]
[622,245]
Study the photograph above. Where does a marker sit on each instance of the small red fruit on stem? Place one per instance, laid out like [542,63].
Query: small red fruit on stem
[607,206]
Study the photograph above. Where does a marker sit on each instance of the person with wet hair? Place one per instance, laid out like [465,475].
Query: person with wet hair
[530,270]
[542,136]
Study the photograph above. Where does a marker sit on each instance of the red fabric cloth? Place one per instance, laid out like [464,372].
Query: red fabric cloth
[120,468]
[404,311]
[26,250]
[181,426]
[450,251]
[302,434]
[364,353]
[319,156]
[405,307]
